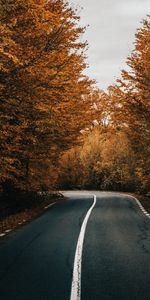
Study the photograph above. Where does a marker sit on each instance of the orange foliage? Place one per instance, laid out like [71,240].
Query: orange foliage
[43,89]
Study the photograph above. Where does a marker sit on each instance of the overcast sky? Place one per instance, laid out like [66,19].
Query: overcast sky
[111,34]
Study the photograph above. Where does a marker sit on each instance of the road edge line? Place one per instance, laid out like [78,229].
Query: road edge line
[144,211]
[6,232]
[48,206]
[76,279]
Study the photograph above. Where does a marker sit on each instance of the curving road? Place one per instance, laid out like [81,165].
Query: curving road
[79,249]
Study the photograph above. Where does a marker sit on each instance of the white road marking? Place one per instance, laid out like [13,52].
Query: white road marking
[142,208]
[46,207]
[2,234]
[145,212]
[23,221]
[76,280]
[8,230]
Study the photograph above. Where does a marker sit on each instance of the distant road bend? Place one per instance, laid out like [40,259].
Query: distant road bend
[95,246]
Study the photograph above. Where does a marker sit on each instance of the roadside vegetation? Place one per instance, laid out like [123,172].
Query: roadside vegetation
[57,129]
[115,154]
[43,90]
[21,207]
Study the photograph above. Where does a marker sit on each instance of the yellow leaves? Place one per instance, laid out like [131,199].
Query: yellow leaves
[43,107]
[131,104]
[105,161]
[43,86]
[8,169]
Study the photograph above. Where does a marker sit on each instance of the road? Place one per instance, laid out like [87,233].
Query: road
[37,261]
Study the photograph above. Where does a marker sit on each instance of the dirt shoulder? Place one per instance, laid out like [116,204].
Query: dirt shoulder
[15,212]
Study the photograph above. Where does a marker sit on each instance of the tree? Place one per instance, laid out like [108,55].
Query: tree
[118,163]
[70,174]
[131,102]
[43,89]
[105,161]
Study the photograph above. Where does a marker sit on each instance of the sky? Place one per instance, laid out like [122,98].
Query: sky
[110,35]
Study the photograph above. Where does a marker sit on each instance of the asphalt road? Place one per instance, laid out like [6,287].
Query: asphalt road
[37,260]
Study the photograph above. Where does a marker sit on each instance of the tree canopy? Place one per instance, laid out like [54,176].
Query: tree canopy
[117,154]
[48,104]
[43,89]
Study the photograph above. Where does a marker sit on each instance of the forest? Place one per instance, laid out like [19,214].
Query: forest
[58,130]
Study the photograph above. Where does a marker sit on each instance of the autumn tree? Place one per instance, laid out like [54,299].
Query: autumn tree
[131,102]
[116,155]
[43,89]
[71,174]
[106,161]
[118,163]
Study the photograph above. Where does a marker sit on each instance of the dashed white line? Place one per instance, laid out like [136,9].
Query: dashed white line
[144,211]
[76,280]
[142,208]
[8,230]
[2,234]
[46,207]
[23,221]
